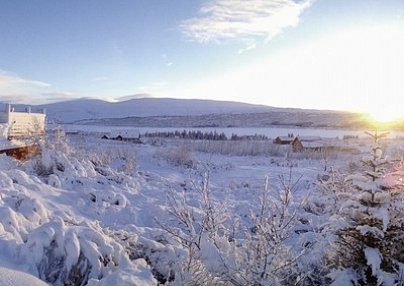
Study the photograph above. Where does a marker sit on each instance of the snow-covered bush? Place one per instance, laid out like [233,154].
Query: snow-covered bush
[62,165]
[58,157]
[63,253]
[262,255]
[57,244]
[158,253]
[121,159]
[315,155]
[237,147]
[194,229]
[177,156]
[221,249]
[334,190]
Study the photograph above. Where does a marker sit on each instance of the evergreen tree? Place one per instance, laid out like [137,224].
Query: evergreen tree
[370,239]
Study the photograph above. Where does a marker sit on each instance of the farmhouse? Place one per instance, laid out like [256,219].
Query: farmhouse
[311,145]
[126,139]
[297,145]
[124,135]
[283,140]
[300,144]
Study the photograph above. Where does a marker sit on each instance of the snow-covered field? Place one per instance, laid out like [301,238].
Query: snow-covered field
[271,132]
[89,211]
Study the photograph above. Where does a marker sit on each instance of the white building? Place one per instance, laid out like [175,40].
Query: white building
[21,124]
[20,132]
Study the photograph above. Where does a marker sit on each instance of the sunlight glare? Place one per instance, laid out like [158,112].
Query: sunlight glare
[385,116]
[359,69]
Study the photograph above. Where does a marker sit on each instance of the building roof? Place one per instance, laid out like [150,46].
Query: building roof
[309,138]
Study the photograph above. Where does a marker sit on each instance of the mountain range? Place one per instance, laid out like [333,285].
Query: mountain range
[168,112]
[74,110]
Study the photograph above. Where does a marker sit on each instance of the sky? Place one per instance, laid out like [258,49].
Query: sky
[318,54]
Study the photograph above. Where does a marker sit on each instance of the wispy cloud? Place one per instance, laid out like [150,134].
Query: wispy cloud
[221,20]
[9,79]
[15,98]
[166,60]
[58,96]
[250,46]
[15,89]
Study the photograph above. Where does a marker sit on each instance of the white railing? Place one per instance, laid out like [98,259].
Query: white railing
[23,124]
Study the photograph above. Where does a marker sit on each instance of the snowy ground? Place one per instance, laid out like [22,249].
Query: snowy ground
[10,277]
[91,211]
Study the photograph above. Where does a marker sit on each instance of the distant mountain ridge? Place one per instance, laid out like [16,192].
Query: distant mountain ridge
[169,112]
[80,109]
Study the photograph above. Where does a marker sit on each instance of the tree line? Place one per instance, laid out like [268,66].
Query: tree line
[199,135]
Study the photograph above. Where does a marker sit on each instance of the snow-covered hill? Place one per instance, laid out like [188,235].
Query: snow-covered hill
[277,118]
[169,112]
[71,111]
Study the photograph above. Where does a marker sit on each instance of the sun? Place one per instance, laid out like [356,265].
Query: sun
[386,116]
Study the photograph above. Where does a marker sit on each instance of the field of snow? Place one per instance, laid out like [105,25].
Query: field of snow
[271,132]
[90,211]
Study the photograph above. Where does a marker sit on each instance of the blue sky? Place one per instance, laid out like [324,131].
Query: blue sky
[323,54]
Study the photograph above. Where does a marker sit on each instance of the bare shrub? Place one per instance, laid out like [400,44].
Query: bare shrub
[177,156]
[121,159]
[237,147]
[222,250]
[53,150]
[316,155]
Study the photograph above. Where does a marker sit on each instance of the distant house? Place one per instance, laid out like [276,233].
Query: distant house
[297,145]
[126,139]
[124,133]
[283,140]
[314,145]
[310,138]
[309,144]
